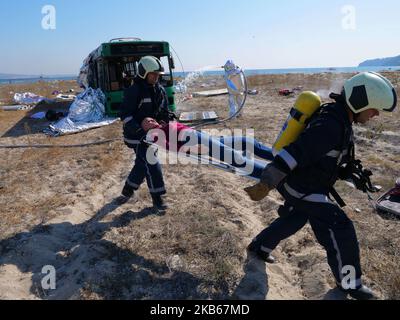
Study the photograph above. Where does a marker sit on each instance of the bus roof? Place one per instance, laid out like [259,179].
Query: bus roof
[131,48]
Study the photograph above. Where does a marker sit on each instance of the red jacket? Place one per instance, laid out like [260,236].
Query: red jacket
[168,136]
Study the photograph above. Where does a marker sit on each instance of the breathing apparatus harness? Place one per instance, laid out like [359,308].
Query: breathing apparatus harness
[353,171]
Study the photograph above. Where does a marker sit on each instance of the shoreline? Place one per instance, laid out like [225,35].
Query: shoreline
[248,72]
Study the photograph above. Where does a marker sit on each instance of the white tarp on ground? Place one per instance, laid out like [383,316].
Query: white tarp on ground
[86,112]
[28,98]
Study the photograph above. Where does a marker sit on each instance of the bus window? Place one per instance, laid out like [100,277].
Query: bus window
[114,79]
[101,75]
[130,68]
[129,73]
[166,79]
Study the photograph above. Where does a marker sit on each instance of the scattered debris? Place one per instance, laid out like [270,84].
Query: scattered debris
[29,98]
[174,263]
[198,116]
[298,88]
[252,92]
[390,201]
[285,92]
[89,106]
[86,112]
[180,88]
[187,97]
[210,93]
[66,97]
[16,108]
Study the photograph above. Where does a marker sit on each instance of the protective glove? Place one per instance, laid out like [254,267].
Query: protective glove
[358,176]
[270,179]
[257,192]
[166,115]
[345,172]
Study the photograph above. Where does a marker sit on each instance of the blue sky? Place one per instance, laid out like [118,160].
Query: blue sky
[255,33]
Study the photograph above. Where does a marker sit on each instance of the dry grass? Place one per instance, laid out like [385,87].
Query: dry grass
[196,250]
[44,89]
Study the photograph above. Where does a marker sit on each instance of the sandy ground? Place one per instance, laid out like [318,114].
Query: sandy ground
[57,209]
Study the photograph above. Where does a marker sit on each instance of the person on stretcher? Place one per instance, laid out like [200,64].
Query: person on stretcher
[179,138]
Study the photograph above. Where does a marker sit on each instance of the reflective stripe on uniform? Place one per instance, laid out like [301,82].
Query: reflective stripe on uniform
[157,190]
[338,255]
[266,250]
[315,197]
[133,185]
[333,154]
[132,141]
[337,153]
[287,157]
[356,282]
[145,100]
[127,120]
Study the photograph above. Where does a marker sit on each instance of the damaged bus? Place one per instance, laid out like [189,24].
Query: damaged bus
[113,66]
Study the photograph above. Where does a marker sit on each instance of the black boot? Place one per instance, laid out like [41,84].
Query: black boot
[255,248]
[126,195]
[363,293]
[159,203]
[128,191]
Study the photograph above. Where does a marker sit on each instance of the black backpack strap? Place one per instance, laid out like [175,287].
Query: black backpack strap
[332,190]
[337,197]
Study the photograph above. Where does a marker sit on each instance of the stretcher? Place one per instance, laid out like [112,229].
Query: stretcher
[390,201]
[209,161]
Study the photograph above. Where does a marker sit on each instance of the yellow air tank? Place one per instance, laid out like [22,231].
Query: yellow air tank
[306,105]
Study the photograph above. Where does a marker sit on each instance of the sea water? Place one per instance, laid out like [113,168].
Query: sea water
[252,72]
[190,77]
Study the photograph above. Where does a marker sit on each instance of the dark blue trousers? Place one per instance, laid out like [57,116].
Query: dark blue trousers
[147,166]
[332,228]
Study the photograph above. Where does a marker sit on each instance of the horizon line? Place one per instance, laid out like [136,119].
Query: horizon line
[25,76]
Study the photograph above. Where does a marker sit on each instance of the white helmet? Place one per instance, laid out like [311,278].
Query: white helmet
[149,64]
[370,90]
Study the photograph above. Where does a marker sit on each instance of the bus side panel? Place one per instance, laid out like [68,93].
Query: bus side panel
[171,98]
[114,101]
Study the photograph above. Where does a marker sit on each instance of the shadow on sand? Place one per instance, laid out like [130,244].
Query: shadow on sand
[27,126]
[83,259]
[254,284]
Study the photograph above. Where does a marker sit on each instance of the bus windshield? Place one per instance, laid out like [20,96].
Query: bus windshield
[122,71]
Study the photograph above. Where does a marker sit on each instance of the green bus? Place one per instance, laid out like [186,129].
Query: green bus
[113,65]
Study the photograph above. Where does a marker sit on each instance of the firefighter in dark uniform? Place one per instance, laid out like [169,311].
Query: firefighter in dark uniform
[306,171]
[145,105]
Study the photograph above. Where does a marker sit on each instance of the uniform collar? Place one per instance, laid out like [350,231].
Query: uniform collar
[342,111]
